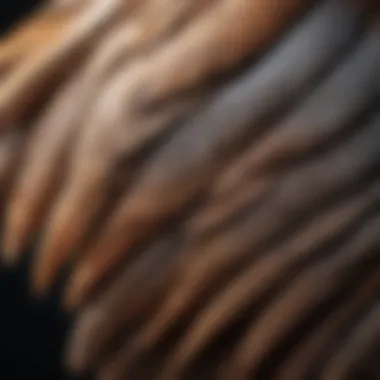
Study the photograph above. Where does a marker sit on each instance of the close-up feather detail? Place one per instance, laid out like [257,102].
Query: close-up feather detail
[201,181]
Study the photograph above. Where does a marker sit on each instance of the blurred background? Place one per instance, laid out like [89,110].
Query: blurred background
[31,333]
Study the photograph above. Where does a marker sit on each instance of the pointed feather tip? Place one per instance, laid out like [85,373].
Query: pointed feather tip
[77,289]
[11,249]
[44,273]
[15,235]
[73,359]
[40,280]
[46,269]
[79,348]
[39,285]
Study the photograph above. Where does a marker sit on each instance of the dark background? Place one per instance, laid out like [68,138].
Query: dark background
[13,10]
[31,334]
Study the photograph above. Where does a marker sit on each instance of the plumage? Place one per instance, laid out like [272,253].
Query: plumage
[207,172]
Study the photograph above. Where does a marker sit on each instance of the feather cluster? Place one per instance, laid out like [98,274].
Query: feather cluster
[207,172]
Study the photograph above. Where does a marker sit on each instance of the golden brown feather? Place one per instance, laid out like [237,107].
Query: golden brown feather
[209,169]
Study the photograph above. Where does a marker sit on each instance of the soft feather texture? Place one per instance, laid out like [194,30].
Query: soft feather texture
[208,170]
